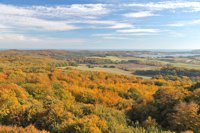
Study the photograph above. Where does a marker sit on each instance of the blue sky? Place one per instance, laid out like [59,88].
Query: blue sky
[99,24]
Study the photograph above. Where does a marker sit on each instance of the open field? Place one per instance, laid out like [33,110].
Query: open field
[185,65]
[190,66]
[115,58]
[134,67]
[108,70]
[179,63]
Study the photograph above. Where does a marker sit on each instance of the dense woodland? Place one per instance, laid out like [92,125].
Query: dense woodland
[37,95]
[171,71]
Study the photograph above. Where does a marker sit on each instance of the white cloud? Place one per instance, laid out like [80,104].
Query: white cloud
[186,23]
[111,36]
[167,5]
[105,23]
[116,38]
[139,14]
[14,10]
[3,26]
[18,38]
[101,22]
[121,34]
[75,10]
[139,31]
[35,23]
[120,25]
[25,18]
[53,18]
[80,10]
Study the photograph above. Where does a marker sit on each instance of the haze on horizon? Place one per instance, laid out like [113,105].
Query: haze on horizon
[98,24]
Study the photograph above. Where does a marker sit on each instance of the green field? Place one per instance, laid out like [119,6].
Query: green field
[108,70]
[178,64]
[190,66]
[185,65]
[115,58]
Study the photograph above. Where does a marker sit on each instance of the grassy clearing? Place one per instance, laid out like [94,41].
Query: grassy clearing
[115,58]
[108,70]
[190,66]
[101,69]
[185,65]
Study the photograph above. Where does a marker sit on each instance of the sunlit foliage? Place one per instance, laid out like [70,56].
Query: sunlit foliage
[34,93]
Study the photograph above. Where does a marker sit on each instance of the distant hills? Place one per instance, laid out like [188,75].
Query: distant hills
[196,51]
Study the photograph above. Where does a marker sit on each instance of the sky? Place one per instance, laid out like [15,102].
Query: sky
[100,24]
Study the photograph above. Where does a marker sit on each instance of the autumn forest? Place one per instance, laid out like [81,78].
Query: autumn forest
[42,91]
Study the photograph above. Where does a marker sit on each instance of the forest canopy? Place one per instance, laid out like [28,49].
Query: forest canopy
[38,96]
